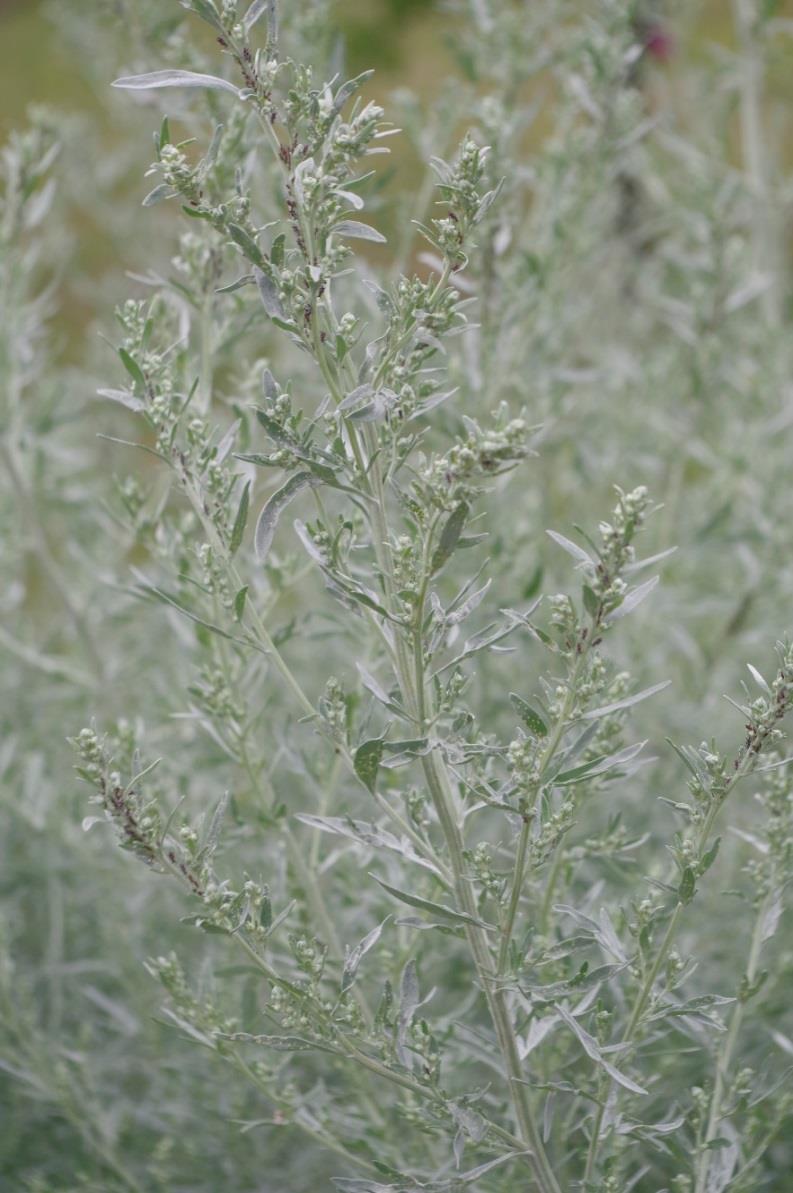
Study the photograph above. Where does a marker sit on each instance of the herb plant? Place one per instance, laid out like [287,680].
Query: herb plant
[441,928]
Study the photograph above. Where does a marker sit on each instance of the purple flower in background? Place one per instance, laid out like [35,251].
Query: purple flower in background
[659,43]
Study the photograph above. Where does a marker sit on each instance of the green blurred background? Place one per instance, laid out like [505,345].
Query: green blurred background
[406,41]
[402,38]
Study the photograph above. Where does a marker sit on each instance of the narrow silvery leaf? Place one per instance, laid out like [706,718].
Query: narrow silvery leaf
[241,520]
[306,167]
[578,553]
[269,385]
[607,709]
[269,295]
[268,518]
[667,1128]
[167,599]
[163,191]
[355,230]
[634,598]
[770,920]
[758,770]
[474,1174]
[246,242]
[608,937]
[640,564]
[356,400]
[356,955]
[274,924]
[590,1046]
[758,679]
[436,909]
[452,529]
[364,833]
[487,202]
[175,78]
[599,766]
[467,607]
[349,88]
[371,685]
[210,157]
[311,547]
[354,1185]
[409,1001]
[227,442]
[215,825]
[538,1030]
[372,412]
[132,367]
[782,1042]
[247,279]
[430,403]
[350,197]
[124,398]
[256,12]
[205,10]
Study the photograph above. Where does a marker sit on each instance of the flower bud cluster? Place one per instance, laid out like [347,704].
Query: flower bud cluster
[213,693]
[179,174]
[349,140]
[552,829]
[334,711]
[459,474]
[772,866]
[617,549]
[204,1015]
[765,713]
[309,955]
[135,816]
[480,861]
[459,188]
[215,575]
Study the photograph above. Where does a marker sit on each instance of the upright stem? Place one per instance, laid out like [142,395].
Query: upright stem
[727,1050]
[647,986]
[442,794]
[523,840]
[408,665]
[443,800]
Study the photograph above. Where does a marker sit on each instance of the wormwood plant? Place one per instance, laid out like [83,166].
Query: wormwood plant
[440,960]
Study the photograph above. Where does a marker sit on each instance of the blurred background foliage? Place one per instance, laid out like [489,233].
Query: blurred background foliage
[406,42]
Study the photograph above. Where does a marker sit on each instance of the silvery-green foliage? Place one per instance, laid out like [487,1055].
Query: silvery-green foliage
[426,923]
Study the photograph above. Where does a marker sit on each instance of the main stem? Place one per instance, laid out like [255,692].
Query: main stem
[408,664]
[438,782]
